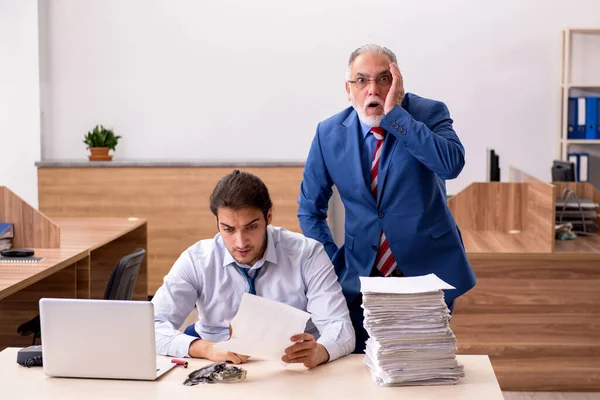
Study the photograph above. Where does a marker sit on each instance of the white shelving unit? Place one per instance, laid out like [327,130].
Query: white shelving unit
[570,84]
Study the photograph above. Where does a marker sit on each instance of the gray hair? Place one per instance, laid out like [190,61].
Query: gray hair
[370,48]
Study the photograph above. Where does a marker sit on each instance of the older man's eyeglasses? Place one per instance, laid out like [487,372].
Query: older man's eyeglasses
[382,81]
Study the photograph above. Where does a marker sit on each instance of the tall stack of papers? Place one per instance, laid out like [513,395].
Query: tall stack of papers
[408,322]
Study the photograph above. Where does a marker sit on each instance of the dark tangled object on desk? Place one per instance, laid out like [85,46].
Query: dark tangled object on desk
[214,373]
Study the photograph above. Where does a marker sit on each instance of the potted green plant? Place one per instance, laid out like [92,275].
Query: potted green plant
[100,140]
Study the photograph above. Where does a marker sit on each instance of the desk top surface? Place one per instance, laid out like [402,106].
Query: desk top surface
[91,233]
[499,245]
[79,236]
[16,276]
[346,378]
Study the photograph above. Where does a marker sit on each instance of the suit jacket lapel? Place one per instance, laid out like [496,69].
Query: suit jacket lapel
[349,136]
[387,155]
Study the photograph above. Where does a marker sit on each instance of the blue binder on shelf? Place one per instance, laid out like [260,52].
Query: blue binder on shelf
[591,117]
[582,166]
[581,118]
[574,158]
[572,118]
[597,118]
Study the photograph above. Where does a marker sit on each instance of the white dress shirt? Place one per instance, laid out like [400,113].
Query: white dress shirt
[294,270]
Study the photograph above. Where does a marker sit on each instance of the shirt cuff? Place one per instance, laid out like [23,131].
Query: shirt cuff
[180,345]
[332,348]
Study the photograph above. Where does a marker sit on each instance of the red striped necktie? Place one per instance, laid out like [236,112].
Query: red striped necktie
[385,261]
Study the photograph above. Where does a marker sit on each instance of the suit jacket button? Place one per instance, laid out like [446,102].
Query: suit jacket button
[381,215]
[374,248]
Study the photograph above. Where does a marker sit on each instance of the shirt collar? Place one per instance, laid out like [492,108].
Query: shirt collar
[364,128]
[270,253]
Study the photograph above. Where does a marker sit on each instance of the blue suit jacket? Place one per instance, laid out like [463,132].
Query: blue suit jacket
[420,151]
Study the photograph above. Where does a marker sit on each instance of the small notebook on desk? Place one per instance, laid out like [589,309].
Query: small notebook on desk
[20,260]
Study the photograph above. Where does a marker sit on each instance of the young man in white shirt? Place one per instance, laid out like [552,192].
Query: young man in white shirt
[250,255]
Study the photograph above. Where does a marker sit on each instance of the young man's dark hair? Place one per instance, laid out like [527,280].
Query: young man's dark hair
[240,190]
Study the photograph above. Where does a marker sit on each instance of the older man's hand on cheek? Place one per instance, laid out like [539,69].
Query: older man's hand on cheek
[396,93]
[305,350]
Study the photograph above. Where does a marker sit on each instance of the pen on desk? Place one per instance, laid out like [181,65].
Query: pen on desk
[180,362]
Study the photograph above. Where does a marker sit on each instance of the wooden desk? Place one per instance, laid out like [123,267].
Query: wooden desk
[90,248]
[18,276]
[105,240]
[346,378]
[536,305]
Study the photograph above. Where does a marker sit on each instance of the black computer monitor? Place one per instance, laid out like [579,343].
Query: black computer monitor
[493,166]
[563,171]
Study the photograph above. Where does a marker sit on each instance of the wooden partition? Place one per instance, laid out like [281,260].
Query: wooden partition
[540,213]
[505,217]
[491,206]
[174,201]
[31,228]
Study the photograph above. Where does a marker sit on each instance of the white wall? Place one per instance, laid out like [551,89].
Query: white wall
[19,97]
[249,80]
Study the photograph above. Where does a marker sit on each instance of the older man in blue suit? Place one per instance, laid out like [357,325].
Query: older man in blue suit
[388,155]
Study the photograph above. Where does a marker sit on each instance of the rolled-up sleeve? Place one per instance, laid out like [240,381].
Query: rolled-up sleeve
[327,305]
[173,302]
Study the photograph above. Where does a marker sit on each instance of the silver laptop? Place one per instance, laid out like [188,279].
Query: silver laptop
[99,339]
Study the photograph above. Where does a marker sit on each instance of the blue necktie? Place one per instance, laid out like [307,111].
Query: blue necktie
[250,279]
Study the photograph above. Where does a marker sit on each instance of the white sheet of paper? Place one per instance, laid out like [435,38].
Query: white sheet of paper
[263,328]
[403,285]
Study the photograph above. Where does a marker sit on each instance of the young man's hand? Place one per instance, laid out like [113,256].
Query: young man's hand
[206,349]
[306,351]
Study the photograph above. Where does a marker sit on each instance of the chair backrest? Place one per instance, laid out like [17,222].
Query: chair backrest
[123,276]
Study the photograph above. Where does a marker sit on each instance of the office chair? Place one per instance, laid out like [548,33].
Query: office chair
[119,286]
[122,279]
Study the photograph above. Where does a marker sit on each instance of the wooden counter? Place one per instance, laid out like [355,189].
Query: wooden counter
[172,197]
[535,309]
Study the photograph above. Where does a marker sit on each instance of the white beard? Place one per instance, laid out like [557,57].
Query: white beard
[370,120]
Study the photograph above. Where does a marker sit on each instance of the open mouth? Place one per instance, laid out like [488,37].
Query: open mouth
[373,104]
